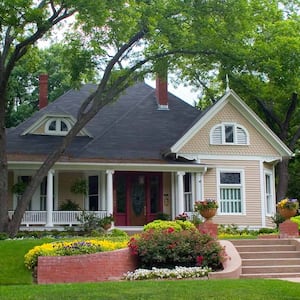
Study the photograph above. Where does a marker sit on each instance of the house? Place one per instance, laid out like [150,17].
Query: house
[146,154]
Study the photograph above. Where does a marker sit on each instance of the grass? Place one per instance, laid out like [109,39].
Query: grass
[12,270]
[153,290]
[16,283]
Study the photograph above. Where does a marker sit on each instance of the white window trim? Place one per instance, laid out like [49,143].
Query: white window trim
[235,126]
[241,185]
[57,131]
[273,209]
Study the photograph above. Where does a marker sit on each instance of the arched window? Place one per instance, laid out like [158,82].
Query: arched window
[57,126]
[229,134]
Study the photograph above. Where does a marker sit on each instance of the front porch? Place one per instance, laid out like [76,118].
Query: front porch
[134,197]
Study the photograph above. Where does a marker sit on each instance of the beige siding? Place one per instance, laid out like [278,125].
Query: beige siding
[66,180]
[200,142]
[252,193]
[40,129]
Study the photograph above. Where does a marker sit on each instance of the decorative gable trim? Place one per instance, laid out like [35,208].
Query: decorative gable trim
[70,120]
[232,98]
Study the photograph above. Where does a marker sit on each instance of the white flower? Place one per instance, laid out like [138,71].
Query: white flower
[178,272]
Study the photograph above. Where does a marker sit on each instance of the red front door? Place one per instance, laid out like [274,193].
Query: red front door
[137,197]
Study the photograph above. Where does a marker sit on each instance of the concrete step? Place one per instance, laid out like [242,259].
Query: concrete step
[271,261]
[261,242]
[268,258]
[270,269]
[271,275]
[265,248]
[275,255]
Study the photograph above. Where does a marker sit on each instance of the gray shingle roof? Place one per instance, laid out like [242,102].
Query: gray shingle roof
[130,128]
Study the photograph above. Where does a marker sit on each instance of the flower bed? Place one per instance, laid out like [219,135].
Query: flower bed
[96,267]
[67,248]
[177,273]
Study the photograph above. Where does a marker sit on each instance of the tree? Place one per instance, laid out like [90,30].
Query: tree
[143,34]
[264,68]
[22,96]
[23,23]
[269,80]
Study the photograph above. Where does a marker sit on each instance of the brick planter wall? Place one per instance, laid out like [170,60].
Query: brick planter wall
[288,229]
[101,266]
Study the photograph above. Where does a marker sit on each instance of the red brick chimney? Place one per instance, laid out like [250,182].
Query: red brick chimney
[162,92]
[43,90]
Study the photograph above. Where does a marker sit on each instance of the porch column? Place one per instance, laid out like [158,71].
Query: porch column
[198,187]
[180,187]
[49,201]
[109,191]
[102,191]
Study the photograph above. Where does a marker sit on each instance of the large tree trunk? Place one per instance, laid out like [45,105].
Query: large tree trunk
[283,178]
[3,168]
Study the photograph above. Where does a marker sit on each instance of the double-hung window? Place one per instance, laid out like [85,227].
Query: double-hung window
[230,190]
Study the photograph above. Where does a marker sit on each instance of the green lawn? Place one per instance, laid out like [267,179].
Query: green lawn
[16,283]
[12,269]
[180,289]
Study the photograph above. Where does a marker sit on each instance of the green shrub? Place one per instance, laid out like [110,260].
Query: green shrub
[168,248]
[266,230]
[3,236]
[277,219]
[296,220]
[89,223]
[118,233]
[69,205]
[177,225]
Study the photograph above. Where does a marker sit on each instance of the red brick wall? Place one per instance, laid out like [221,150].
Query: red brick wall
[288,229]
[101,266]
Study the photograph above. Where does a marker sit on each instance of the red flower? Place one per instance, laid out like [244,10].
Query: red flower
[199,260]
[170,230]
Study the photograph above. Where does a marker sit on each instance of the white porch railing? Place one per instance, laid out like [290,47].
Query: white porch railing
[68,218]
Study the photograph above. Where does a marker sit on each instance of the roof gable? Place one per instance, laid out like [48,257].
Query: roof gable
[231,98]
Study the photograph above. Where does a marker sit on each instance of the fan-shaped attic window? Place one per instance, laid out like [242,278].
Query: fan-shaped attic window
[229,134]
[57,126]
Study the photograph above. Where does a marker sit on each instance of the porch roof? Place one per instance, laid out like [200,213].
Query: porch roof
[126,165]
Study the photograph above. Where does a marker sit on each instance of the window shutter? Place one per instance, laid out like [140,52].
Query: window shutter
[241,136]
[216,136]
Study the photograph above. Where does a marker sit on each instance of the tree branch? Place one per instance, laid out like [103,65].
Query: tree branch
[290,111]
[21,48]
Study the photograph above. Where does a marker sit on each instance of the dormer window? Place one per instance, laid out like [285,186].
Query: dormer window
[229,134]
[57,126]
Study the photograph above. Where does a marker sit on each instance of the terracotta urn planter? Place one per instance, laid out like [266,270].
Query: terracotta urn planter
[208,213]
[107,226]
[287,212]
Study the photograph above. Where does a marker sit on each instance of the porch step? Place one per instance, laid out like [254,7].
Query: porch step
[271,275]
[265,255]
[271,261]
[268,258]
